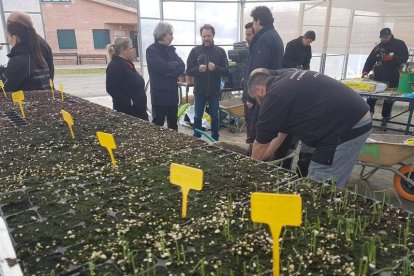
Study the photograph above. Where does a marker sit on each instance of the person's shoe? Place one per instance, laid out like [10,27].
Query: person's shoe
[384,122]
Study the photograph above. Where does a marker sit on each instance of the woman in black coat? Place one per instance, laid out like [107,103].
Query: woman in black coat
[26,69]
[123,83]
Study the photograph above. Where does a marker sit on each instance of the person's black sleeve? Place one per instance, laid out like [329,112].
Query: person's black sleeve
[180,66]
[262,53]
[288,57]
[402,55]
[222,66]
[162,66]
[17,72]
[273,115]
[113,84]
[370,62]
[192,64]
[308,56]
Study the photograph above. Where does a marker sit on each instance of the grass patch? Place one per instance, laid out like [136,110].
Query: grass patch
[80,71]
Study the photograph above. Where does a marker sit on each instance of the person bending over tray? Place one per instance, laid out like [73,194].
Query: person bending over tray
[301,103]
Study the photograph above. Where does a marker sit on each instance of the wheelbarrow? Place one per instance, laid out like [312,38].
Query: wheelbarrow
[234,111]
[384,151]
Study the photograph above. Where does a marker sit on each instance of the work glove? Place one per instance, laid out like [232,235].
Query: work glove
[388,58]
[364,74]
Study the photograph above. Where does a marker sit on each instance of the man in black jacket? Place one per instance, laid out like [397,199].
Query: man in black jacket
[207,63]
[386,60]
[164,66]
[247,101]
[266,51]
[25,19]
[298,52]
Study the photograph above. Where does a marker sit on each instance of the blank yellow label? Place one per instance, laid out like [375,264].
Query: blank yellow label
[18,98]
[187,178]
[107,141]
[52,88]
[69,120]
[2,88]
[276,210]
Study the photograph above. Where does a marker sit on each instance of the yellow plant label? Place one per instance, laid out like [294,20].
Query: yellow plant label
[18,98]
[69,120]
[61,90]
[2,88]
[52,88]
[276,210]
[187,178]
[107,141]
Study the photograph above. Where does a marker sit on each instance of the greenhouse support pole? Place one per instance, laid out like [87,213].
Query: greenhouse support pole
[326,36]
[300,19]
[139,40]
[241,21]
[161,10]
[348,44]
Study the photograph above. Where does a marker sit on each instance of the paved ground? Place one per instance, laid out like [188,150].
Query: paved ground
[380,185]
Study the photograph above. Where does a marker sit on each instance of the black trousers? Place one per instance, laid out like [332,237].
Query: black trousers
[386,107]
[159,112]
[139,109]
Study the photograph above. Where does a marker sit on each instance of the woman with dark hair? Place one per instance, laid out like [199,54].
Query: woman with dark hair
[123,83]
[26,69]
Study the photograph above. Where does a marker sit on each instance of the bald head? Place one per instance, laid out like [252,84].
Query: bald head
[20,17]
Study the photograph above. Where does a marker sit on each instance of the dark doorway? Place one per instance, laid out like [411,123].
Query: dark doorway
[134,37]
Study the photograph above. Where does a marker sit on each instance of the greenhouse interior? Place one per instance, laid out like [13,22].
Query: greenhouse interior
[206,137]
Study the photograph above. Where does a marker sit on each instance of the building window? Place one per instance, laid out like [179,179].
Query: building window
[66,39]
[100,38]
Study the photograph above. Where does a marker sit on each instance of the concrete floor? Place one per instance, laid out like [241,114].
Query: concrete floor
[379,186]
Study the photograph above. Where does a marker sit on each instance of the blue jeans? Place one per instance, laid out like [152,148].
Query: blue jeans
[213,104]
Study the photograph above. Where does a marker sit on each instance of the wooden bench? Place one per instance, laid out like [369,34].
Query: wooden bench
[92,57]
[66,56]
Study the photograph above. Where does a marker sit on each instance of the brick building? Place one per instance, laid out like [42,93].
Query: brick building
[85,27]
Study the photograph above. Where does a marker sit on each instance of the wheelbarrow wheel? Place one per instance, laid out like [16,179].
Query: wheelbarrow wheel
[402,186]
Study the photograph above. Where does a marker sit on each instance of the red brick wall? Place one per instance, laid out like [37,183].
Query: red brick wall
[83,16]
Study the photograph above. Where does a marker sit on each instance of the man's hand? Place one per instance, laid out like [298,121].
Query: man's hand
[264,152]
[249,104]
[364,75]
[211,66]
[388,58]
[202,68]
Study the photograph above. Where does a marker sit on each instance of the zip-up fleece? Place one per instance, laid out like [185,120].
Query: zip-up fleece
[208,82]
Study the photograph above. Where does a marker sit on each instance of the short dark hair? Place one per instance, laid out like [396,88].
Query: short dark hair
[249,25]
[310,35]
[257,78]
[208,27]
[264,14]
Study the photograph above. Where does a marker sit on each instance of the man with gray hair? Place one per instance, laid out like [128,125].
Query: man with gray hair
[164,66]
[25,19]
[322,112]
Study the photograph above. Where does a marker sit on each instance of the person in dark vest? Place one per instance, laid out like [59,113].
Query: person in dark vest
[26,68]
[298,52]
[386,59]
[125,85]
[25,19]
[164,66]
